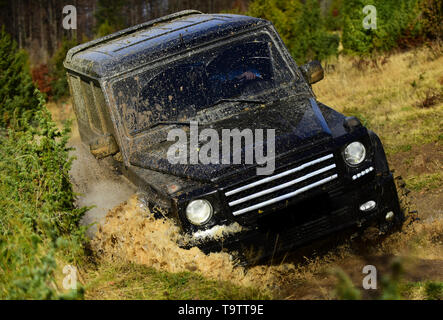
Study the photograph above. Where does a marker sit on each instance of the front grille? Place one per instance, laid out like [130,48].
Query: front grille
[281,186]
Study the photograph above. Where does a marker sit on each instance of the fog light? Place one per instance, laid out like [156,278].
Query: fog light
[368,205]
[389,216]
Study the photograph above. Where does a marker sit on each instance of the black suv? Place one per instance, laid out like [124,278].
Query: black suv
[222,71]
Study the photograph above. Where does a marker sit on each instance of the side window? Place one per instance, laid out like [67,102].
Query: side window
[278,54]
[280,66]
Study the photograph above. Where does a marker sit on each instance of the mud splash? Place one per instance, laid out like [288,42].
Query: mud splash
[95,183]
[132,233]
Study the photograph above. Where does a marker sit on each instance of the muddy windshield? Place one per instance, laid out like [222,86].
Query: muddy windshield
[178,91]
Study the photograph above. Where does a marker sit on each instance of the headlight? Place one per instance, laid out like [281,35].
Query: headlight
[354,153]
[199,212]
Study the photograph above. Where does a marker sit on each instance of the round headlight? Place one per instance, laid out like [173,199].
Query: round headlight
[354,153]
[199,212]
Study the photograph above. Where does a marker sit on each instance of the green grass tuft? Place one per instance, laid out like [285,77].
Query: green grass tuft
[132,281]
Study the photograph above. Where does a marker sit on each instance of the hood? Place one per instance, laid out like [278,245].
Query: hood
[298,123]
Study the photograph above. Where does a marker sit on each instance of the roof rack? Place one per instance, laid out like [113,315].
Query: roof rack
[127,31]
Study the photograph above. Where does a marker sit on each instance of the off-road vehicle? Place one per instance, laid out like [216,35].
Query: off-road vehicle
[223,71]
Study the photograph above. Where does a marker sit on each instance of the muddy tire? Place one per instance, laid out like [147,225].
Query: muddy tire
[406,205]
[379,232]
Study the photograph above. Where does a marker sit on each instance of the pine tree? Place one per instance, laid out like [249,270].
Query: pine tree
[59,84]
[283,14]
[17,99]
[38,220]
[109,16]
[313,41]
[301,26]
[397,21]
[334,15]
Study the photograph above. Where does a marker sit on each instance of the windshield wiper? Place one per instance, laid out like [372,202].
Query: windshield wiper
[163,123]
[188,123]
[237,100]
[171,123]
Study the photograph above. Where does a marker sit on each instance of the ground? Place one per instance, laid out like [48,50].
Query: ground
[400,97]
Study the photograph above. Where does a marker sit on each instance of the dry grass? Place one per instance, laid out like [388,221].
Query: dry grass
[421,240]
[386,98]
[61,111]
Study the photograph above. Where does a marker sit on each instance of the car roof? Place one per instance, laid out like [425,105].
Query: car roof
[136,46]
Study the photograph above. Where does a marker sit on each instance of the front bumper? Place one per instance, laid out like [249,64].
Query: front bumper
[321,215]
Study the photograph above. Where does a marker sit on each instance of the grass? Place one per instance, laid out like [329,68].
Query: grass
[387,99]
[429,181]
[401,100]
[391,287]
[428,290]
[132,281]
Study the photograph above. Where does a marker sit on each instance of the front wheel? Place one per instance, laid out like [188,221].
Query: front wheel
[409,215]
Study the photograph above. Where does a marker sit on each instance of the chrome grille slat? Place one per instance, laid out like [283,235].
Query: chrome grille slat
[285,196]
[282,186]
[280,175]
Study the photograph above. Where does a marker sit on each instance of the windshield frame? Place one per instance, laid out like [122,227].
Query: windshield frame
[219,43]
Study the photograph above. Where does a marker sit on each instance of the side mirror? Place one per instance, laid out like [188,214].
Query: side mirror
[313,71]
[103,146]
[351,123]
